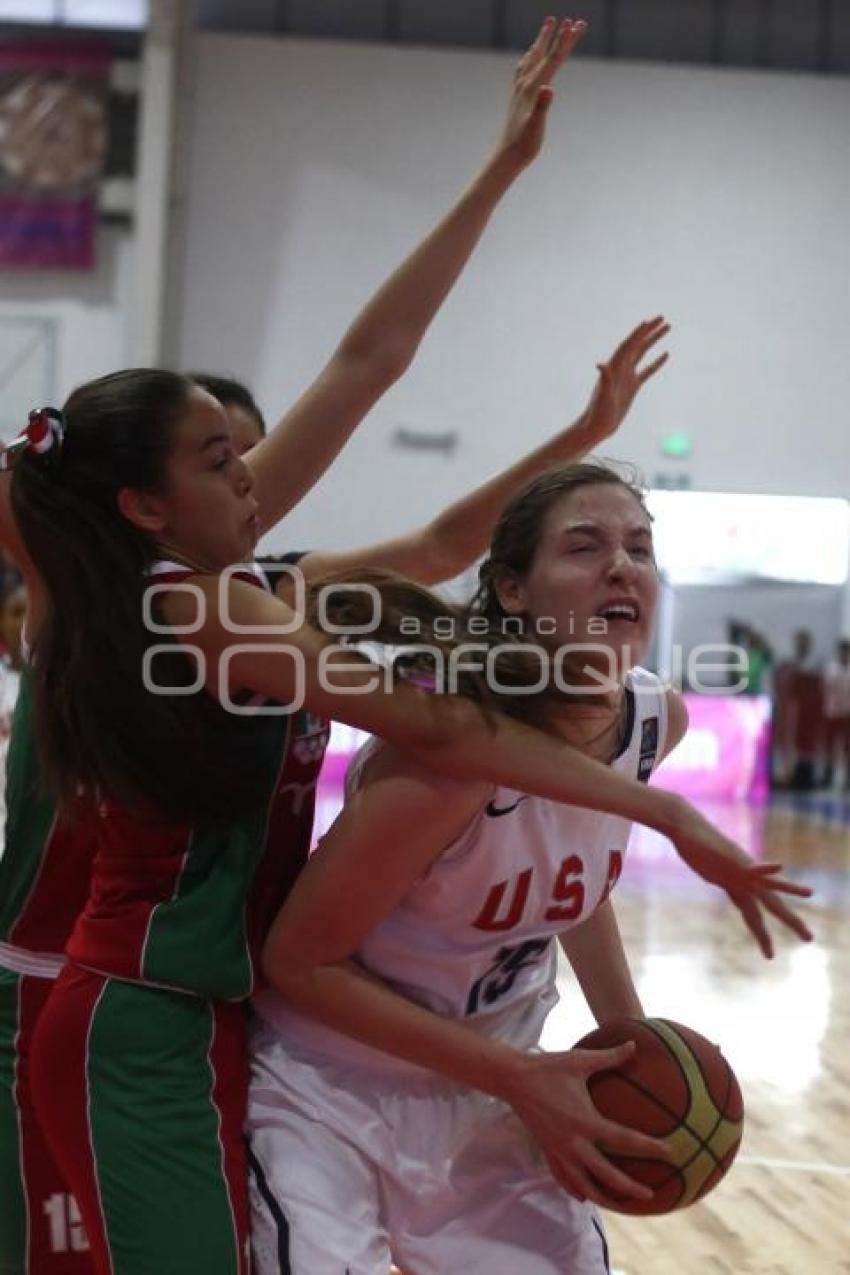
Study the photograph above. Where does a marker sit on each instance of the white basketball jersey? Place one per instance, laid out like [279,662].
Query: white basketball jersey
[474,937]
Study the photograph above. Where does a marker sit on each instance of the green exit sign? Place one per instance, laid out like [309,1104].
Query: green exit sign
[676,445]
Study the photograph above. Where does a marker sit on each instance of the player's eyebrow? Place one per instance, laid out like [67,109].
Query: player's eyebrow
[594,529]
[213,440]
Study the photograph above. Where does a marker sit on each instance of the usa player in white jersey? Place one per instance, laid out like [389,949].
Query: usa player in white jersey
[400,1109]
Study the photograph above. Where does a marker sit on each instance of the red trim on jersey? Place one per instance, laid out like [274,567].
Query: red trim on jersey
[139,865]
[59,888]
[179,574]
[228,1059]
[289,828]
[42,1179]
[59,1073]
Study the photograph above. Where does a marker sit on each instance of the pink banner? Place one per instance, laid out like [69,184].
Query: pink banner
[53,136]
[725,756]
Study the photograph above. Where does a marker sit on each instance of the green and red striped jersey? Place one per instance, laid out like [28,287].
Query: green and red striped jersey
[45,867]
[155,901]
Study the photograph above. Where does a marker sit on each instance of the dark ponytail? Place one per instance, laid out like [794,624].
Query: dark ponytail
[99,729]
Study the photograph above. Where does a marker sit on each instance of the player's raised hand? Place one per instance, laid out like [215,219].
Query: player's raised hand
[532,92]
[754,888]
[622,377]
[760,893]
[551,1098]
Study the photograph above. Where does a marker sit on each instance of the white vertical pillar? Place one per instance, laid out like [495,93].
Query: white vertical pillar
[166,25]
[844,623]
[669,667]
[844,610]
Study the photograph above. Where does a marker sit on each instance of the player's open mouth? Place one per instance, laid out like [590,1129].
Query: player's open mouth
[627,611]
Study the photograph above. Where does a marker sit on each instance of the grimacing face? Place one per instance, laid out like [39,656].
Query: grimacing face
[593,579]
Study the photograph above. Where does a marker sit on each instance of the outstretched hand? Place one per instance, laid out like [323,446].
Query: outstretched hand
[622,377]
[553,1102]
[532,93]
[754,888]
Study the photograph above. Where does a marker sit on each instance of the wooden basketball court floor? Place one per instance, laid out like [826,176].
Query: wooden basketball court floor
[784,1208]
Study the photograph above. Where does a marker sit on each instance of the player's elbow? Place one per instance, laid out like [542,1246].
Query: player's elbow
[283,968]
[443,556]
[375,365]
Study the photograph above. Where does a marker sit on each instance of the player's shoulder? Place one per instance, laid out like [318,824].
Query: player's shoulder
[188,598]
[382,763]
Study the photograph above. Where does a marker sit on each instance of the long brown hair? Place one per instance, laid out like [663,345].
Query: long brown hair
[424,631]
[99,729]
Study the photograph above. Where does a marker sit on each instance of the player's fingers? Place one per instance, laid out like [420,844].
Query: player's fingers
[573,1178]
[787,916]
[641,339]
[619,1137]
[590,1061]
[769,869]
[538,48]
[637,334]
[766,874]
[754,921]
[652,337]
[563,39]
[788,887]
[588,1189]
[651,322]
[567,1175]
[656,324]
[649,371]
[608,1175]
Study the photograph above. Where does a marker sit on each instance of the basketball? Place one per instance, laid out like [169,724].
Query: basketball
[679,1087]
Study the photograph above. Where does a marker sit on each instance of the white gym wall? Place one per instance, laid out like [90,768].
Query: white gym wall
[718,197]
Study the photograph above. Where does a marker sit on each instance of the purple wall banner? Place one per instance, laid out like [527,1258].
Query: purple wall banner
[53,136]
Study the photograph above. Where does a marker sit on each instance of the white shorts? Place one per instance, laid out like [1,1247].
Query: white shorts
[352,1171]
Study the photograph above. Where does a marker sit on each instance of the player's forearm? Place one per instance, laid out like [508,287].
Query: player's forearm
[388,331]
[450,735]
[462,532]
[346,998]
[595,952]
[464,746]
[375,351]
[447,733]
